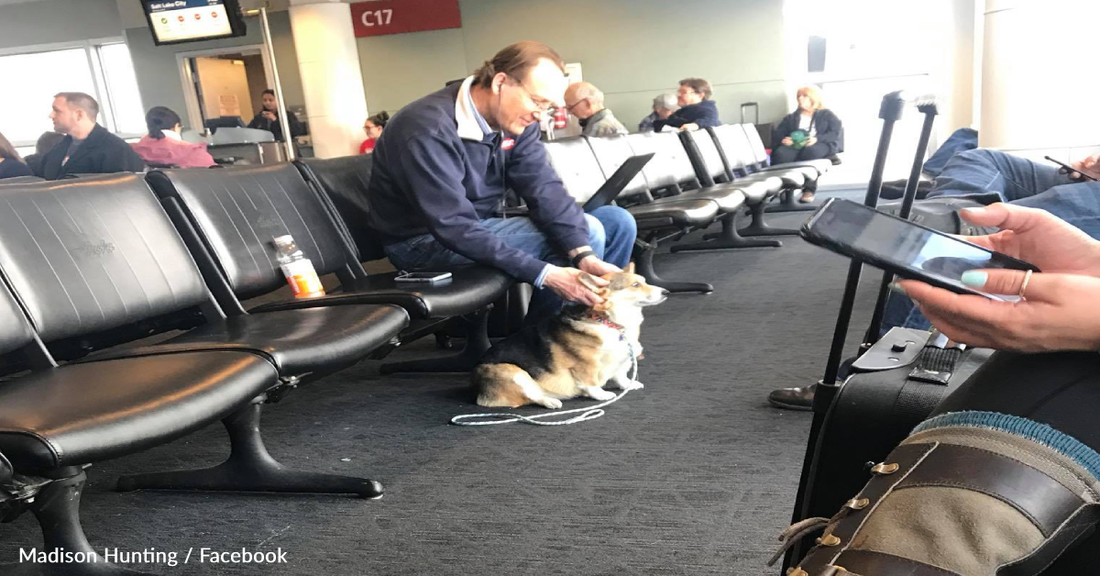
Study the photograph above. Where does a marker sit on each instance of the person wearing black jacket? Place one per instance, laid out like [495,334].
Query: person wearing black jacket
[696,111]
[87,148]
[268,118]
[811,132]
[11,165]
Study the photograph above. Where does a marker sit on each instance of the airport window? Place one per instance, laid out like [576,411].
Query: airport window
[122,88]
[103,70]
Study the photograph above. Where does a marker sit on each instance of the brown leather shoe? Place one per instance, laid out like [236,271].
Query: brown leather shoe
[793,398]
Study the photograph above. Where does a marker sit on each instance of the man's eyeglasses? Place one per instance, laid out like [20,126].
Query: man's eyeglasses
[685,91]
[541,104]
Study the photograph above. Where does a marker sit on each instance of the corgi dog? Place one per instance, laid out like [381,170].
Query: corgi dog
[572,354]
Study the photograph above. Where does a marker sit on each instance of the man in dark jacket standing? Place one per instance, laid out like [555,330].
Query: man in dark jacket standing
[87,148]
[696,111]
[444,162]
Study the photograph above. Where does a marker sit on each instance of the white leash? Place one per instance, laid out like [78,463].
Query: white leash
[588,412]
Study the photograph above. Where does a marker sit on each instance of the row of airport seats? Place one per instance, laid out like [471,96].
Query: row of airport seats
[127,321]
[694,180]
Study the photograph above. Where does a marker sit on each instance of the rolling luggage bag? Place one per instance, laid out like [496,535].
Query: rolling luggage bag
[891,388]
[765,130]
[815,489]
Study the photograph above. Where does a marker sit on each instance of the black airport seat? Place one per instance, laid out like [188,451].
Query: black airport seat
[712,168]
[811,170]
[97,256]
[17,180]
[230,216]
[658,220]
[674,172]
[760,153]
[577,164]
[56,420]
[715,178]
[742,157]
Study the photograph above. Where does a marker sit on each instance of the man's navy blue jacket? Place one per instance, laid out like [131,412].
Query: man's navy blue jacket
[704,114]
[428,179]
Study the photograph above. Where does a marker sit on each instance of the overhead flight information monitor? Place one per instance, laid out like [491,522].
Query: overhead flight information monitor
[175,21]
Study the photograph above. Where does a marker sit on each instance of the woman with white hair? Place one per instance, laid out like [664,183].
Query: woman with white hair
[663,107]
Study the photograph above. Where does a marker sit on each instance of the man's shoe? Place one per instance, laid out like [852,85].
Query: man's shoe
[793,398]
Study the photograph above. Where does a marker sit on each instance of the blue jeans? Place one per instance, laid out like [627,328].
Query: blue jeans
[611,234]
[1018,181]
[961,140]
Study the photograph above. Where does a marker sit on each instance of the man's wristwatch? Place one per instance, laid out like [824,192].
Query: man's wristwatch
[576,260]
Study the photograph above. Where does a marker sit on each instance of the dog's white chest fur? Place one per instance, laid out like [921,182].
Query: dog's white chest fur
[618,349]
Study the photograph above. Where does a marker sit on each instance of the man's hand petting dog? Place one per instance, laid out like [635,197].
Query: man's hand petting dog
[597,267]
[575,285]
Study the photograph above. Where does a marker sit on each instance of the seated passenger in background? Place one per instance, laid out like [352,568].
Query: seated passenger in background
[585,101]
[46,141]
[1005,475]
[663,107]
[87,147]
[696,111]
[811,132]
[164,146]
[268,118]
[373,127]
[11,165]
[445,162]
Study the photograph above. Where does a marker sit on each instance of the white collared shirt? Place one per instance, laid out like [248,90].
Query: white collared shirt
[471,124]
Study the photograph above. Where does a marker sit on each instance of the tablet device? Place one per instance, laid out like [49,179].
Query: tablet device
[617,182]
[908,250]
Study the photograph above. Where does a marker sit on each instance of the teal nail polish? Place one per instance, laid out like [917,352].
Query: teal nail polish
[975,278]
[894,286]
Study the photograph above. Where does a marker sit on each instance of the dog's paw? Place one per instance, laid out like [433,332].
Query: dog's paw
[552,403]
[597,393]
[630,385]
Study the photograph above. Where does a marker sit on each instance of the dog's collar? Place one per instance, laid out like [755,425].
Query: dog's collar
[607,322]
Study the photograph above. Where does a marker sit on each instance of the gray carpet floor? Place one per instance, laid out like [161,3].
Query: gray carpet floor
[693,475]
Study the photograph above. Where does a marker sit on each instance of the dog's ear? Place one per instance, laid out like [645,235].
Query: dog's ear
[605,305]
[629,268]
[589,282]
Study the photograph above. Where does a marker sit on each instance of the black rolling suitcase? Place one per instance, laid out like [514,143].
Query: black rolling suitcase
[765,130]
[893,384]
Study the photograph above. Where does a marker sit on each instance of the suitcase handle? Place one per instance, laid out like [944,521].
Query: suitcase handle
[756,112]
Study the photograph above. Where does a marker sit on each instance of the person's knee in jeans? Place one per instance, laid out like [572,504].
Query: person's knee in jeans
[597,236]
[783,155]
[615,230]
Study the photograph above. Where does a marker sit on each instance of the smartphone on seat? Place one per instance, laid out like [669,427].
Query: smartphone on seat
[899,246]
[422,277]
[1086,174]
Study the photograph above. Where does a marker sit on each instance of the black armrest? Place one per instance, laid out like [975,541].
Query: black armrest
[6,470]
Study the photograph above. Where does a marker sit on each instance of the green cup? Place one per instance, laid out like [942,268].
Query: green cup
[799,138]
